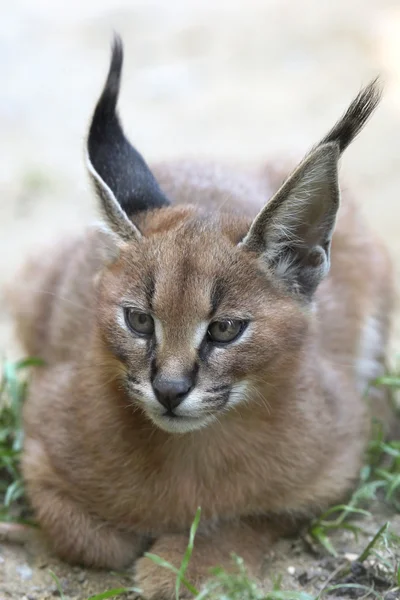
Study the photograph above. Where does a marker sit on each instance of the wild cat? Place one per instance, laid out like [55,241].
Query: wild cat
[205,346]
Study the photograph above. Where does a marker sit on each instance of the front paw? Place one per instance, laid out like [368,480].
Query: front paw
[156,582]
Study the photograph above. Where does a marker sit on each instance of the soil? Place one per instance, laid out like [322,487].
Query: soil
[300,564]
[236,80]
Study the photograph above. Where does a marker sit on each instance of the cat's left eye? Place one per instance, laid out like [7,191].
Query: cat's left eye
[139,322]
[225,331]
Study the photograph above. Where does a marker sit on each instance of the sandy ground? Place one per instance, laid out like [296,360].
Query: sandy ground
[235,80]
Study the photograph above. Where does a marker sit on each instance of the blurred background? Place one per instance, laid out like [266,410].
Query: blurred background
[236,80]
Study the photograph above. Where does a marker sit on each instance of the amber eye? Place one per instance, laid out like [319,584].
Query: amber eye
[225,331]
[140,322]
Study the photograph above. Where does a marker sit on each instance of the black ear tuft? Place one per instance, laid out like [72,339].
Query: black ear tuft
[293,232]
[111,155]
[355,117]
[107,103]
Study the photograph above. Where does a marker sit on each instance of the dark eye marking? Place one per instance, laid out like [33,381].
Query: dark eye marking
[205,349]
[218,291]
[150,288]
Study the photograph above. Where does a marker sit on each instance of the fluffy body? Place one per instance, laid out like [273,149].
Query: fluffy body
[275,428]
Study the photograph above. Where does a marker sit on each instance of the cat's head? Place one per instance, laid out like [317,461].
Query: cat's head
[204,310]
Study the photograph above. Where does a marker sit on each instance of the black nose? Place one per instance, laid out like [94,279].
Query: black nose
[171,392]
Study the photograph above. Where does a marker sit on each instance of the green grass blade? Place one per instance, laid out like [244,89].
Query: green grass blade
[58,584]
[318,533]
[282,595]
[389,380]
[367,550]
[167,565]
[113,593]
[353,586]
[14,491]
[161,562]
[12,385]
[393,487]
[29,362]
[188,552]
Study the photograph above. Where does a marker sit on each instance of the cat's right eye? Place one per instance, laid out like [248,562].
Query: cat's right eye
[226,331]
[139,322]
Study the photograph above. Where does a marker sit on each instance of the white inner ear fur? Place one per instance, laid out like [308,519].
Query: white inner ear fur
[299,220]
[304,190]
[116,217]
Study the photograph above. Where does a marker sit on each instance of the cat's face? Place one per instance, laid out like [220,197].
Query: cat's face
[201,310]
[195,319]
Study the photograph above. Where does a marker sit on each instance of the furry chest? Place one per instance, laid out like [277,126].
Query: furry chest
[165,501]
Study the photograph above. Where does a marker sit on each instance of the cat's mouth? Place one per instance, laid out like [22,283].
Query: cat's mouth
[173,423]
[188,418]
[195,412]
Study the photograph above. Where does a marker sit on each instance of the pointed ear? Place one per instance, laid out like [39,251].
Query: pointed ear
[121,177]
[293,232]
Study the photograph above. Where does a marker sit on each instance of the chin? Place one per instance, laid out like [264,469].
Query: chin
[181,424]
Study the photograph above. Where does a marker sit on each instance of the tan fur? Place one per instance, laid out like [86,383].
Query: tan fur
[104,480]
[105,477]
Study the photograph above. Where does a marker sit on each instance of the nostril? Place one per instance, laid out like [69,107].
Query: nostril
[170,392]
[183,387]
